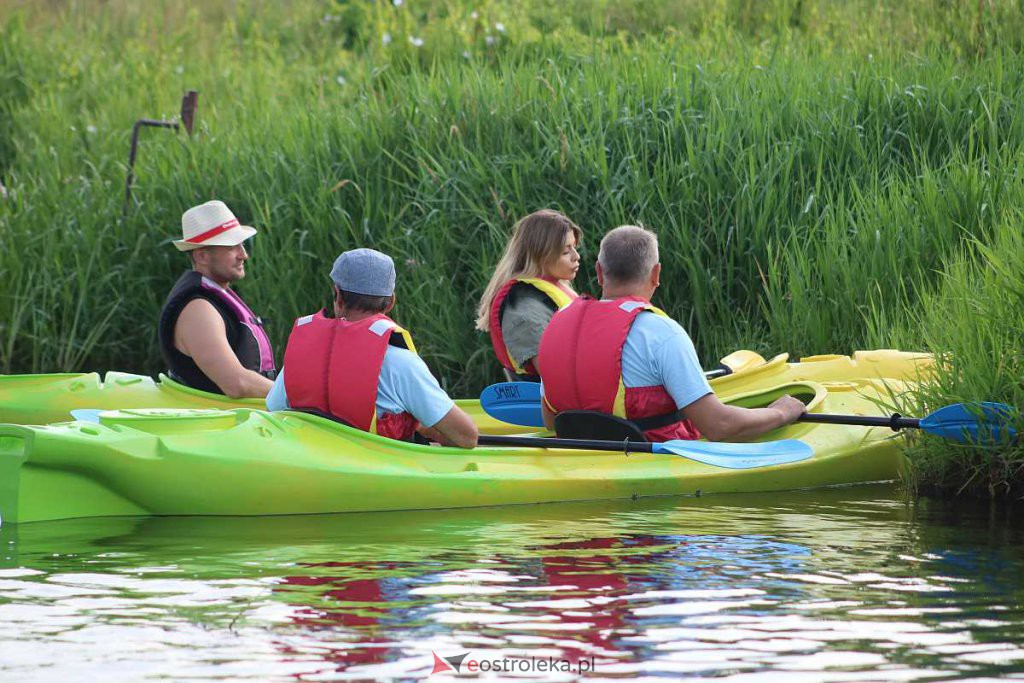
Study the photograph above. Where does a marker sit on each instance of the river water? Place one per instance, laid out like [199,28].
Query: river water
[852,584]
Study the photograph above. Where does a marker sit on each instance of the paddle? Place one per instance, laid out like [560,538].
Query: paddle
[735,456]
[518,403]
[979,423]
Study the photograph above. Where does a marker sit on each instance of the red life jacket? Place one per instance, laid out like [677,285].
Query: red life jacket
[554,290]
[581,353]
[334,367]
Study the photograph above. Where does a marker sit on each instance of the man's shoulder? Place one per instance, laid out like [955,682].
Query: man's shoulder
[408,378]
[397,359]
[651,323]
[198,315]
[199,306]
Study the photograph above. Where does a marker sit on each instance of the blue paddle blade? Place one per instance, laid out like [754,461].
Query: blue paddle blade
[86,414]
[974,423]
[516,403]
[738,456]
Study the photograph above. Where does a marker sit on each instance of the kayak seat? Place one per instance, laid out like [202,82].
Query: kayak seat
[320,413]
[590,424]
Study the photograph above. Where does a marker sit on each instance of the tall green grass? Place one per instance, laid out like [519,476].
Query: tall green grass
[975,319]
[820,172]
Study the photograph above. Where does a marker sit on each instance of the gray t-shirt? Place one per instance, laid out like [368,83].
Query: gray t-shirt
[527,312]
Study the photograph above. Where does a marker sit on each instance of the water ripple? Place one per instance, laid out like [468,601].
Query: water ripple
[842,585]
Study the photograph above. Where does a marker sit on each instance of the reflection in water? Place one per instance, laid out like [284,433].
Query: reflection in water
[848,584]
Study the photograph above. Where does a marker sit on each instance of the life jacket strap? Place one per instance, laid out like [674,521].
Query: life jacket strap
[646,424]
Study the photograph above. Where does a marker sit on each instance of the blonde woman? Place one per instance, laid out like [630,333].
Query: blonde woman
[532,281]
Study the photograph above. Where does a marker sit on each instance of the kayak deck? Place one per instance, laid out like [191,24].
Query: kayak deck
[45,399]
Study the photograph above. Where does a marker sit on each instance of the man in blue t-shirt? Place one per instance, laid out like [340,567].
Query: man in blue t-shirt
[659,366]
[329,363]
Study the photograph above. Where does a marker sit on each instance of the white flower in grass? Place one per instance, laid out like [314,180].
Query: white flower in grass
[465,54]
[489,40]
[3,192]
[416,41]
[386,39]
[397,3]
[90,129]
[341,80]
[499,27]
[179,69]
[474,15]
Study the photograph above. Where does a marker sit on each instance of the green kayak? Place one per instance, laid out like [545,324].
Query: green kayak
[179,461]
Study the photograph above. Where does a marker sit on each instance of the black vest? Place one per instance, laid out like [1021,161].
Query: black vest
[181,368]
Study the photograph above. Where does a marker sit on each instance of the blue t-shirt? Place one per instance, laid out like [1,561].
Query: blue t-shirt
[405,385]
[659,352]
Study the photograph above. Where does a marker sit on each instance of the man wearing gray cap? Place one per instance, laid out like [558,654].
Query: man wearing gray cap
[360,367]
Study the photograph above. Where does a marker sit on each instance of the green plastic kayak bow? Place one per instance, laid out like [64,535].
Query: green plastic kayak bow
[983,423]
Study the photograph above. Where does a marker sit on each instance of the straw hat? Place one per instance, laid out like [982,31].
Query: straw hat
[211,224]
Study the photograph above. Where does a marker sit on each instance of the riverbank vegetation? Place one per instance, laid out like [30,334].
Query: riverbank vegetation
[824,175]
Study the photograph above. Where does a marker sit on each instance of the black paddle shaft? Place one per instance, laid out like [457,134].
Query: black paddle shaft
[625,446]
[895,422]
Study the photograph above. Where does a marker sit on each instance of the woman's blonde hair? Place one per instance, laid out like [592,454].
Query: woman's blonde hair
[537,241]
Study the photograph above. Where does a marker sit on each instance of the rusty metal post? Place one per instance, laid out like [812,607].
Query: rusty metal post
[189,104]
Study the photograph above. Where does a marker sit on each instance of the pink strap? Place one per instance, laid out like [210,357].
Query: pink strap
[247,318]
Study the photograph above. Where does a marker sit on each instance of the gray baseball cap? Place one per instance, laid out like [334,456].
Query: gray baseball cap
[364,271]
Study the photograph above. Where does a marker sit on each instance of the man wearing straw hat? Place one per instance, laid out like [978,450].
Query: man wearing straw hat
[360,367]
[210,339]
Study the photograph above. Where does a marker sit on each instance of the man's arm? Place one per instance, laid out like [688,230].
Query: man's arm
[200,333]
[681,375]
[456,428]
[412,387]
[720,422]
